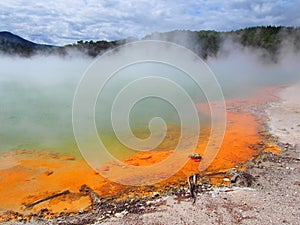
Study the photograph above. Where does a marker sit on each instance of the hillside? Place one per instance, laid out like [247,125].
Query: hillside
[204,43]
[208,43]
[13,44]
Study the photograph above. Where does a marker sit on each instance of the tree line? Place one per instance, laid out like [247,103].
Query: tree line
[205,43]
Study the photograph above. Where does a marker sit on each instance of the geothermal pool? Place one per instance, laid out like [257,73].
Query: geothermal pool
[38,151]
[37,96]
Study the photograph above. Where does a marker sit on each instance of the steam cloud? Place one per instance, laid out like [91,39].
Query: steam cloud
[37,93]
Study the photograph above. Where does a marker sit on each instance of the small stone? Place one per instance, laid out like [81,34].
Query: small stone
[148,203]
[85,190]
[71,158]
[48,172]
[145,156]
[155,194]
[195,156]
[297,183]
[121,214]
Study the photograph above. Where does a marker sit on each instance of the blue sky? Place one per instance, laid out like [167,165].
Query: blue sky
[66,21]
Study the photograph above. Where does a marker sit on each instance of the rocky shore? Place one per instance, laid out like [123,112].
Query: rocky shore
[267,192]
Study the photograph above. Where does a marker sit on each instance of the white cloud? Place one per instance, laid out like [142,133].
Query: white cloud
[62,22]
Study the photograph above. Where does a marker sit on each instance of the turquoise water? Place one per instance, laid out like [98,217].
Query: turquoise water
[36,104]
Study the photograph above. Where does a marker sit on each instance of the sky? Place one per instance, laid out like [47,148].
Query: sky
[62,22]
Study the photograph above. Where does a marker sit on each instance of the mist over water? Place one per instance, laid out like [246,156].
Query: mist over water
[36,101]
[242,70]
[149,107]
[36,94]
[146,108]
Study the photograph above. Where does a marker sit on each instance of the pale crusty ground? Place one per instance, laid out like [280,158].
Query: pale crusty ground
[273,199]
[284,116]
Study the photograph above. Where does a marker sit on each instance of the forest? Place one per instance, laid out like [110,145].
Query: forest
[205,43]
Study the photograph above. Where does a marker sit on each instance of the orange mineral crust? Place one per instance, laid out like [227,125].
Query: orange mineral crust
[37,175]
[27,176]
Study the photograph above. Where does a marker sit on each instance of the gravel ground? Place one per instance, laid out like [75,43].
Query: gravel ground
[272,199]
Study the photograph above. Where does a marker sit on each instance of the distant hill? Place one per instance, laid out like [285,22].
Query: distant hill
[206,44]
[13,44]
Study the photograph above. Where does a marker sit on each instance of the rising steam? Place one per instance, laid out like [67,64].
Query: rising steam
[37,93]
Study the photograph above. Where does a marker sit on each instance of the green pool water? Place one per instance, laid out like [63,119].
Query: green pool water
[36,99]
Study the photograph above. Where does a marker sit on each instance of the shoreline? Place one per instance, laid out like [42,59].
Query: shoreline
[271,198]
[238,203]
